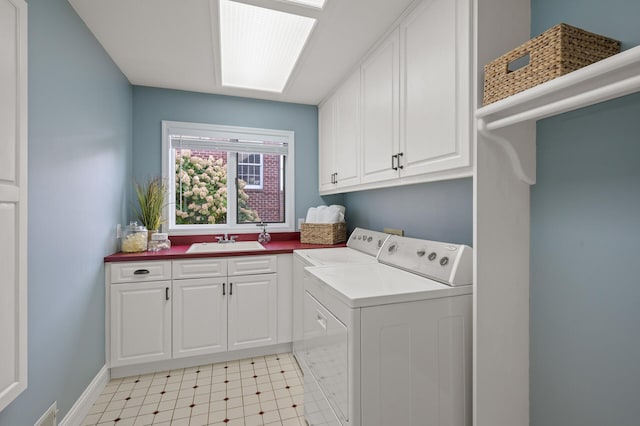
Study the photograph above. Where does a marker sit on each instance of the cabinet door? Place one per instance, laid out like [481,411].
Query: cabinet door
[380,111]
[199,316]
[435,88]
[13,200]
[253,311]
[326,144]
[140,322]
[347,134]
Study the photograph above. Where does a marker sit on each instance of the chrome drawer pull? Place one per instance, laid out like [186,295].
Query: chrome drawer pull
[141,272]
[322,321]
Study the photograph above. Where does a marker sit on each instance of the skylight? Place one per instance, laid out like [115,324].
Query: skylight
[313,3]
[260,47]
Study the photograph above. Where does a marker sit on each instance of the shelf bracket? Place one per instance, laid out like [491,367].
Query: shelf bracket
[520,150]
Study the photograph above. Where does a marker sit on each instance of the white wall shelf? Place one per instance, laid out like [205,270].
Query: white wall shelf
[616,76]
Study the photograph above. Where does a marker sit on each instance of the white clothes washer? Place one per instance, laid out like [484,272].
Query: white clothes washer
[362,247]
[390,343]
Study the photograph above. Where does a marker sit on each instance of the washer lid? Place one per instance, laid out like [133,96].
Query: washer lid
[335,256]
[376,284]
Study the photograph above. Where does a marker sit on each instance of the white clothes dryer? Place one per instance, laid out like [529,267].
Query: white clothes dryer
[389,343]
[362,247]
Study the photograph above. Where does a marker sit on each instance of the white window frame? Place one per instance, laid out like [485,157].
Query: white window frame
[261,186]
[230,132]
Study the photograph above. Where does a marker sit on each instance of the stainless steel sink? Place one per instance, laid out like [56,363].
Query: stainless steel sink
[222,248]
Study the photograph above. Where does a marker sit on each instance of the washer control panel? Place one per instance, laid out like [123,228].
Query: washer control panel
[366,241]
[450,264]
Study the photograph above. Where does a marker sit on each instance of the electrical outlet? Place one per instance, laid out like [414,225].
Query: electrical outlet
[393,231]
[118,231]
[300,222]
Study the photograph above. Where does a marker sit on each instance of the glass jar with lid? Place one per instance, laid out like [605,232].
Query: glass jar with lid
[134,238]
[159,241]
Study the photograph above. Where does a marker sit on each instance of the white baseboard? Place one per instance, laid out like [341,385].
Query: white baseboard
[173,364]
[79,411]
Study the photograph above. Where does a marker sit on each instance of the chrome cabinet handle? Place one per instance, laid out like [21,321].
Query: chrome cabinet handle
[394,158]
[141,272]
[230,289]
[166,293]
[400,154]
[336,178]
[223,289]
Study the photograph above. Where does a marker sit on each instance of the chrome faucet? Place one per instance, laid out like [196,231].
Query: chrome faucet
[226,239]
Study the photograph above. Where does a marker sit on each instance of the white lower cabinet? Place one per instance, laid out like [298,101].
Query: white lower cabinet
[253,316]
[211,305]
[140,322]
[199,316]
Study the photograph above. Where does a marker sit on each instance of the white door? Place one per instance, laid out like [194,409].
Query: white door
[435,95]
[380,111]
[13,200]
[140,322]
[347,135]
[253,311]
[199,316]
[326,145]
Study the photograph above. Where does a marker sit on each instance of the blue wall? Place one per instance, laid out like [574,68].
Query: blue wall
[585,229]
[79,169]
[152,105]
[440,211]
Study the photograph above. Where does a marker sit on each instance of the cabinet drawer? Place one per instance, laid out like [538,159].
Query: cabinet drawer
[251,265]
[200,268]
[128,272]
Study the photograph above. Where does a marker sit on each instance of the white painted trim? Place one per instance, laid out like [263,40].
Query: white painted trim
[79,411]
[464,172]
[173,364]
[52,409]
[287,136]
[16,193]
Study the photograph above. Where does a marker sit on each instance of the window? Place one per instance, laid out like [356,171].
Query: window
[250,170]
[224,178]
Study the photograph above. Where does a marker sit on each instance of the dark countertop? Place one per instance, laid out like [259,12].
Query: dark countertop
[280,244]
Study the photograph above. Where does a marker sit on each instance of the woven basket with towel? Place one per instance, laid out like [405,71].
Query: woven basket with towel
[324,225]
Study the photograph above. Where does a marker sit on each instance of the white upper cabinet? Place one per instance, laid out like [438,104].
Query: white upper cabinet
[339,131]
[348,142]
[380,111]
[415,104]
[13,200]
[435,90]
[327,145]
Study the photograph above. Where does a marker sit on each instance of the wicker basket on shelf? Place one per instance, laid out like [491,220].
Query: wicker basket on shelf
[558,51]
[323,233]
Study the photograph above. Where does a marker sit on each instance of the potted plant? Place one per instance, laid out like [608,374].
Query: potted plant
[151,198]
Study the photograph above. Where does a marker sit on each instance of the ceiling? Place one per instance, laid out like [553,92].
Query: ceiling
[174,44]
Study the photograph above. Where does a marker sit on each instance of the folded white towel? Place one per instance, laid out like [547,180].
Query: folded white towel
[330,216]
[325,214]
[312,215]
[341,209]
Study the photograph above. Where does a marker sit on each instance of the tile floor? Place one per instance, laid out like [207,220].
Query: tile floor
[264,390]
